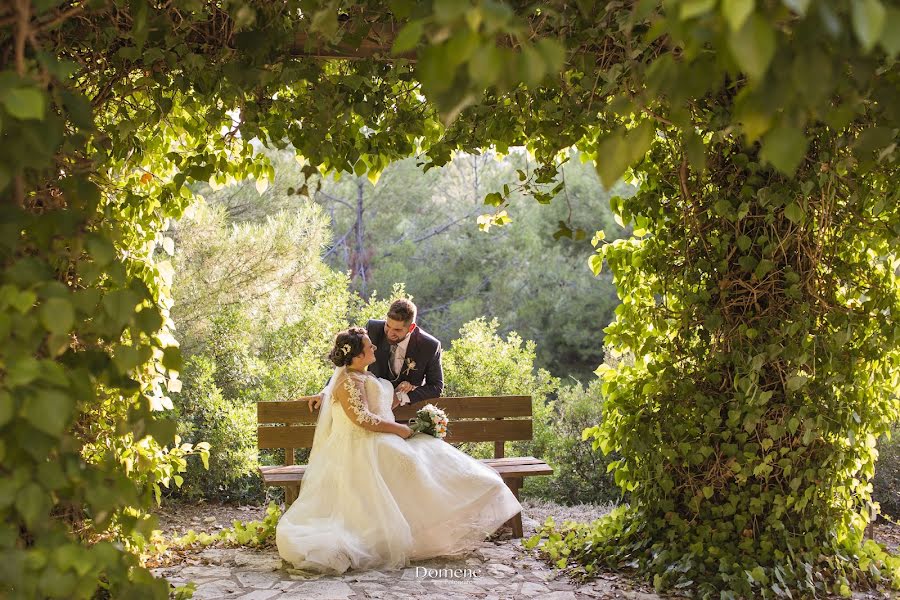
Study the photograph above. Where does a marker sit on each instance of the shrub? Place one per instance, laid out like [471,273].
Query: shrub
[580,471]
[886,483]
[204,413]
[481,363]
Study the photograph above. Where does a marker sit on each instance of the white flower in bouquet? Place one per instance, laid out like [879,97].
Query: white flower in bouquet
[431,420]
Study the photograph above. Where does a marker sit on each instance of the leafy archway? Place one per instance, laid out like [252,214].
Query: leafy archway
[759,292]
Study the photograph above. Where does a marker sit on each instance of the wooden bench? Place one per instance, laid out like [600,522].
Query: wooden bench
[290,425]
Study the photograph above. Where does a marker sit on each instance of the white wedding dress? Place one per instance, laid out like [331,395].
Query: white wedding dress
[374,500]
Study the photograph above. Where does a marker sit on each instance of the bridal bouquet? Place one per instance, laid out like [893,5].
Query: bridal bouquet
[431,420]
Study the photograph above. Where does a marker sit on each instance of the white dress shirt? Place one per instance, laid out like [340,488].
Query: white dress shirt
[397,366]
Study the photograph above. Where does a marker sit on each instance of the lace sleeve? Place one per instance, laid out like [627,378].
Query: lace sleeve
[355,405]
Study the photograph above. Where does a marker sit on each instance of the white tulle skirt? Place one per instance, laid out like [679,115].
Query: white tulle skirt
[374,500]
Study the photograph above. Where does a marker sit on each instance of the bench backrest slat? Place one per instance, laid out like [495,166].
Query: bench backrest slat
[291,424]
[292,436]
[470,407]
[301,436]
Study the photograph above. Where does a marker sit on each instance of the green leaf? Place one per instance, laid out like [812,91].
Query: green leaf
[493,199]
[763,268]
[784,148]
[794,212]
[126,358]
[57,315]
[446,11]
[619,150]
[408,37]
[325,21]
[695,8]
[596,264]
[7,407]
[868,22]
[48,411]
[753,46]
[25,103]
[172,358]
[890,36]
[486,65]
[101,249]
[696,150]
[120,306]
[611,161]
[553,53]
[81,113]
[736,12]
[21,372]
[33,504]
[795,382]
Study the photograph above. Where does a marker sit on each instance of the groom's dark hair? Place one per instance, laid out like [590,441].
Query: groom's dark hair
[347,344]
[402,310]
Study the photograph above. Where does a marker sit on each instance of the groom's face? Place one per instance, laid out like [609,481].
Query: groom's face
[396,330]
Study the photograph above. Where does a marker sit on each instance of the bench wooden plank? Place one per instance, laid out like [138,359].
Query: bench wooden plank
[293,411]
[471,407]
[293,474]
[489,431]
[463,407]
[524,470]
[491,462]
[294,436]
[301,436]
[512,460]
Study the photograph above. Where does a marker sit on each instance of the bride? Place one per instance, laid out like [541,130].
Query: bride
[376,496]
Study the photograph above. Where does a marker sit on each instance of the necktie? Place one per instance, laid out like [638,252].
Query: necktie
[393,355]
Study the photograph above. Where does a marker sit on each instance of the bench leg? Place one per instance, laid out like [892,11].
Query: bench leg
[514,484]
[290,494]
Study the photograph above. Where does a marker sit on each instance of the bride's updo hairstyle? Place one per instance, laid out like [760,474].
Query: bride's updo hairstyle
[347,345]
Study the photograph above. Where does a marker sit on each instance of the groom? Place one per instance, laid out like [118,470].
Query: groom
[406,355]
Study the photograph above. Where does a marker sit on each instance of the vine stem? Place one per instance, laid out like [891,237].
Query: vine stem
[23,8]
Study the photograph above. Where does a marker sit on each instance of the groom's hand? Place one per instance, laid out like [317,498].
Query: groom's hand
[406,387]
[396,402]
[314,402]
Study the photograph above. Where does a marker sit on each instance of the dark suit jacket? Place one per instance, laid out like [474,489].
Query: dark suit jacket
[424,350]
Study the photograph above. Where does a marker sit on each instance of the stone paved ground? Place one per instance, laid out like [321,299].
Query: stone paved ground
[496,570]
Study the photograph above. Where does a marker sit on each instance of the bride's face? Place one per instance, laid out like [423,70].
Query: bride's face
[368,354]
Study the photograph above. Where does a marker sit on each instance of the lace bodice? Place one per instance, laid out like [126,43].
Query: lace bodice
[379,395]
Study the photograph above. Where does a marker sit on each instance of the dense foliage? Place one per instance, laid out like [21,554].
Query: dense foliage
[764,250]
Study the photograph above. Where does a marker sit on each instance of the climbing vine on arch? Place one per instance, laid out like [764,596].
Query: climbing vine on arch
[763,134]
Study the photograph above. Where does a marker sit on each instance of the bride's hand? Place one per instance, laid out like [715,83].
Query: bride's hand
[405,432]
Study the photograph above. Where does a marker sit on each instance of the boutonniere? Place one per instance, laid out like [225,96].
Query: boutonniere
[410,366]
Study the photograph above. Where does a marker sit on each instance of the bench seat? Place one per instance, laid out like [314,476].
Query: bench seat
[524,466]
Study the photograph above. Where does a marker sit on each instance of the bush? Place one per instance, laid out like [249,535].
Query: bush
[886,482]
[204,413]
[481,363]
[580,474]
